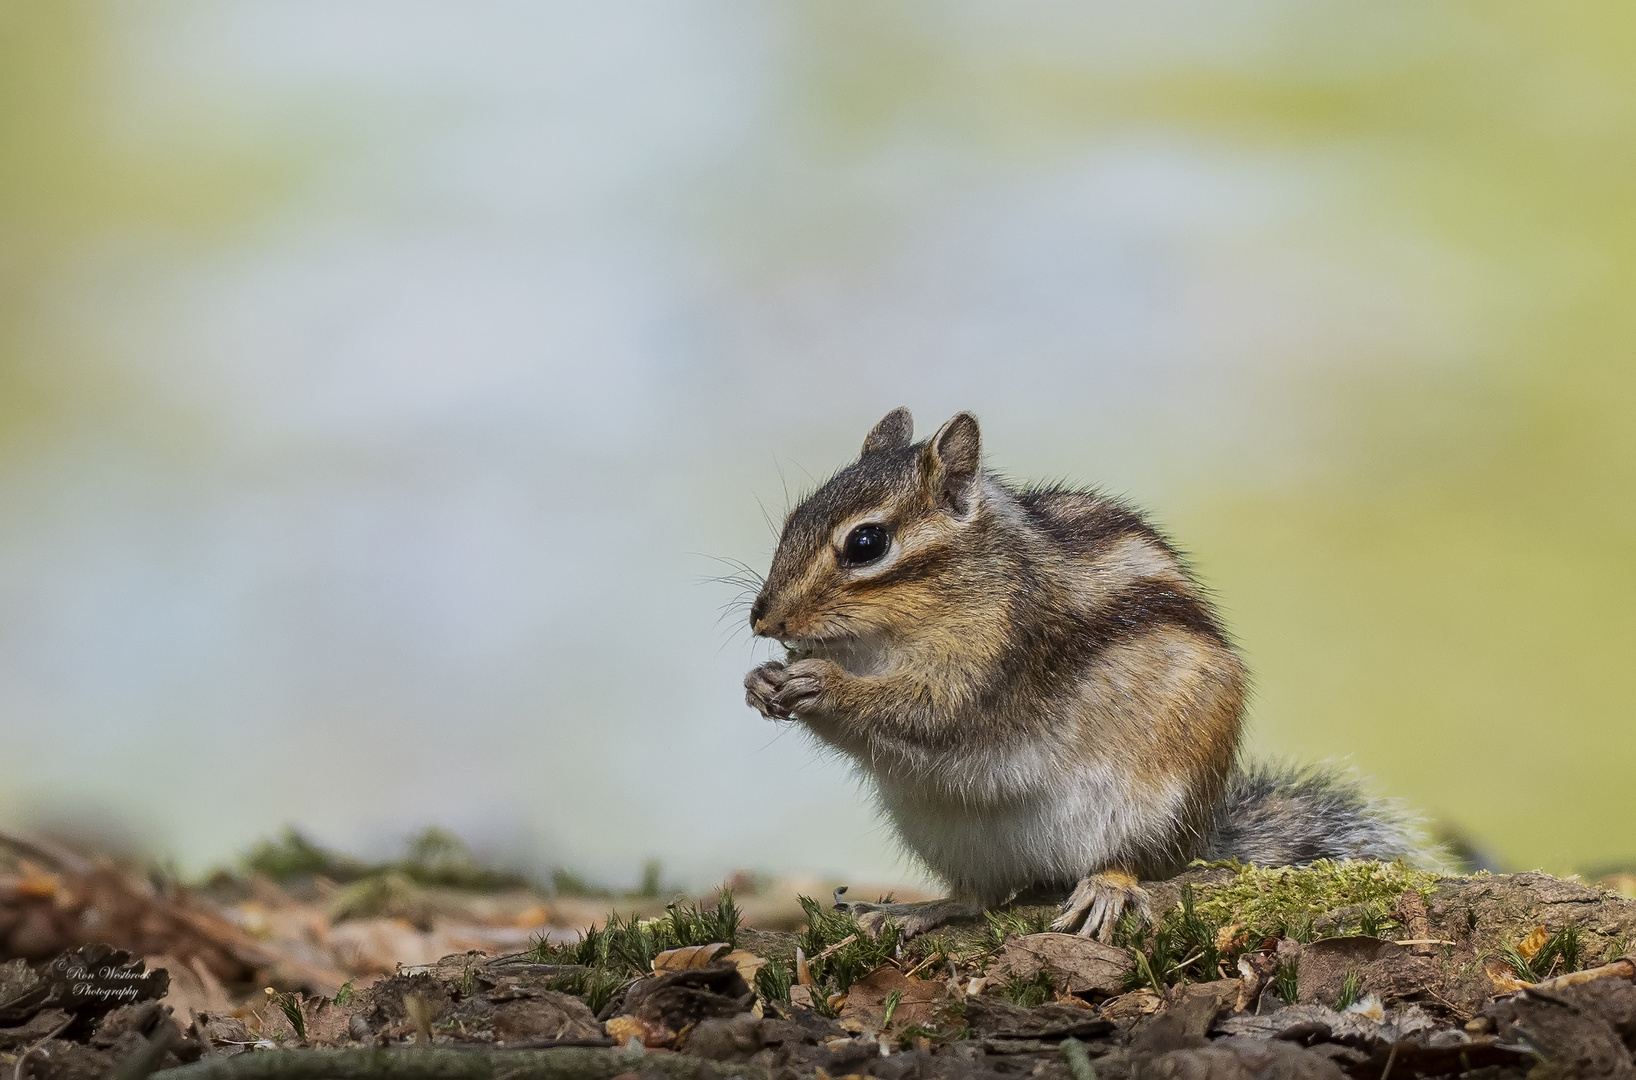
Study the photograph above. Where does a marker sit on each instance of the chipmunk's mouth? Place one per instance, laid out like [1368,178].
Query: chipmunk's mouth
[858,655]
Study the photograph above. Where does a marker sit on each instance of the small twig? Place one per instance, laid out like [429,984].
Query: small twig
[1424,941]
[837,947]
[1184,963]
[17,1073]
[1619,969]
[912,972]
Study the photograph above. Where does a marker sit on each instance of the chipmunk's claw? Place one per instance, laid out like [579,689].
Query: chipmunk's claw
[761,690]
[780,691]
[1100,899]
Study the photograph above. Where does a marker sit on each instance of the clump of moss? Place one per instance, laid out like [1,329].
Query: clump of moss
[1272,901]
[439,857]
[774,980]
[858,956]
[1285,982]
[1011,923]
[596,985]
[1197,940]
[389,894]
[1184,946]
[1351,990]
[1028,992]
[627,944]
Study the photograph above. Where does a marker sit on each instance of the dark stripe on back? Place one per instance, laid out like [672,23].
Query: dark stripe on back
[1145,605]
[1083,522]
[1052,648]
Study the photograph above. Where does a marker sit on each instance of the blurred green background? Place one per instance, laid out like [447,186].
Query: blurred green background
[377,379]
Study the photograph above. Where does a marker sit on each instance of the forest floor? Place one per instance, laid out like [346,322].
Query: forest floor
[301,965]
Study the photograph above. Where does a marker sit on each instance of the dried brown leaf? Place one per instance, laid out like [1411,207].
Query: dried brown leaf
[864,1010]
[1076,964]
[748,963]
[1530,946]
[1231,938]
[688,956]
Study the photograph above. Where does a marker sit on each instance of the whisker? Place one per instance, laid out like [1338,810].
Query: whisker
[737,565]
[782,483]
[768,518]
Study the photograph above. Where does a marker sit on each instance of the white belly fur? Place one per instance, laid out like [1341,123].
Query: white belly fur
[991,826]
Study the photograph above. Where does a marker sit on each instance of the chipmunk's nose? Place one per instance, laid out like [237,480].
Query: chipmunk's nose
[759,623]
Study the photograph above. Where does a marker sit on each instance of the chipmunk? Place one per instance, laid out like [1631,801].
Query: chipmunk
[1039,690]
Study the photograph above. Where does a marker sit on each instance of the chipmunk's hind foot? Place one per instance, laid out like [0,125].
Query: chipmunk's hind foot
[1100,899]
[910,919]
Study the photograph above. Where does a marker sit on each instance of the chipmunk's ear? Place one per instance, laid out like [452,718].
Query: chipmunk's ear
[952,464]
[893,432]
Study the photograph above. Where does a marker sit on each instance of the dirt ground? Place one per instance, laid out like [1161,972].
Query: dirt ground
[1337,970]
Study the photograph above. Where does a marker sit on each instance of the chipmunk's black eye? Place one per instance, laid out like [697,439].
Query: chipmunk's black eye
[865,544]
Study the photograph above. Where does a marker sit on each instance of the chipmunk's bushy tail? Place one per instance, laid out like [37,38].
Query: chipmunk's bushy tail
[1278,815]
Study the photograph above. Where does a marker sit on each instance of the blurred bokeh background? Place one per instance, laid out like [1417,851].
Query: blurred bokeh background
[379,383]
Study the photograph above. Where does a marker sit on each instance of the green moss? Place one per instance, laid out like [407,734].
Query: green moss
[435,857]
[1285,980]
[1274,901]
[1016,923]
[1028,992]
[389,894]
[1181,948]
[1351,990]
[861,954]
[595,985]
[1187,943]
[773,981]
[1559,955]
[1373,919]
[439,857]
[627,944]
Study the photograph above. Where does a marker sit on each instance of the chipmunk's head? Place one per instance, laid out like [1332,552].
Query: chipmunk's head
[864,555]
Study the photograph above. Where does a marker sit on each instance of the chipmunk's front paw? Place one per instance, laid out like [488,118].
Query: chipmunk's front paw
[761,689]
[1101,899]
[809,687]
[779,692]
